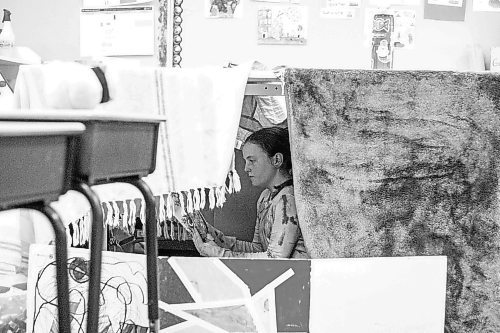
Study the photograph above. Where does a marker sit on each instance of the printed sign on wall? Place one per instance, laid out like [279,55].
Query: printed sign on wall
[116,31]
[486,5]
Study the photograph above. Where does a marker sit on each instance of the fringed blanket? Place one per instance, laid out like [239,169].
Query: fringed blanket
[398,163]
[195,149]
[203,108]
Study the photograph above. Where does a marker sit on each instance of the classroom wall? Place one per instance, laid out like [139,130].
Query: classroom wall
[335,43]
[51,28]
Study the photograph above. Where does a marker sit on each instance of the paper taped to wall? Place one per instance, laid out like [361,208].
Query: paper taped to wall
[116,31]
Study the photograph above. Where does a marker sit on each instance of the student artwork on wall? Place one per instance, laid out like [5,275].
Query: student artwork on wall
[223,8]
[388,30]
[284,1]
[486,5]
[246,295]
[339,9]
[282,25]
[382,47]
[196,294]
[403,36]
[123,295]
[444,10]
[388,3]
[452,3]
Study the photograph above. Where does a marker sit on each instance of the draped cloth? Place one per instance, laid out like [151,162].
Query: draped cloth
[403,163]
[195,148]
[202,107]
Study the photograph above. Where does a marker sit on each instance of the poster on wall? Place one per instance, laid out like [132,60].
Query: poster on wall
[118,31]
[111,3]
[388,3]
[339,9]
[452,3]
[444,12]
[223,8]
[282,25]
[486,5]
[284,1]
[403,34]
[342,3]
[382,48]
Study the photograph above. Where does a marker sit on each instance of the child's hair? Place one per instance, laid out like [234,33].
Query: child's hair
[273,140]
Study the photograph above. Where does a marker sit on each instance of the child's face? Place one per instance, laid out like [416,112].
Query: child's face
[258,165]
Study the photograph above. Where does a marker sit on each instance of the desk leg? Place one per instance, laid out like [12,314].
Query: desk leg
[151,253]
[96,241]
[61,267]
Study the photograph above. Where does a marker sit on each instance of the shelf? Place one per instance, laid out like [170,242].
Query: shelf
[263,83]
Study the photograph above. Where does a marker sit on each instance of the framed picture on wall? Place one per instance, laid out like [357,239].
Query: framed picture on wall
[223,8]
[282,25]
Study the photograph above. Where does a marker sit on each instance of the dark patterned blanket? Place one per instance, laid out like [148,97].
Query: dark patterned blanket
[403,163]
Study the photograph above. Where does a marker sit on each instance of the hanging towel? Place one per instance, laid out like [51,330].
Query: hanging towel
[200,132]
[195,147]
[202,107]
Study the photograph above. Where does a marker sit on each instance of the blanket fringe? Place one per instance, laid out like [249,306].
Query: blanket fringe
[125,214]
[189,202]
[202,198]
[196,199]
[211,198]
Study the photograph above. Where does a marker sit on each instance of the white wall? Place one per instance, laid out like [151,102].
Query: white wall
[51,28]
[334,43]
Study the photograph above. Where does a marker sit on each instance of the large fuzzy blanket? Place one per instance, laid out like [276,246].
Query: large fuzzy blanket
[403,163]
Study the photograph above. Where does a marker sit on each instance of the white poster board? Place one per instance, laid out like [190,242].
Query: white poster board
[378,295]
[118,31]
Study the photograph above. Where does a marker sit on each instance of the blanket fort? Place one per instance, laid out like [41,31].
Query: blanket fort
[403,163]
